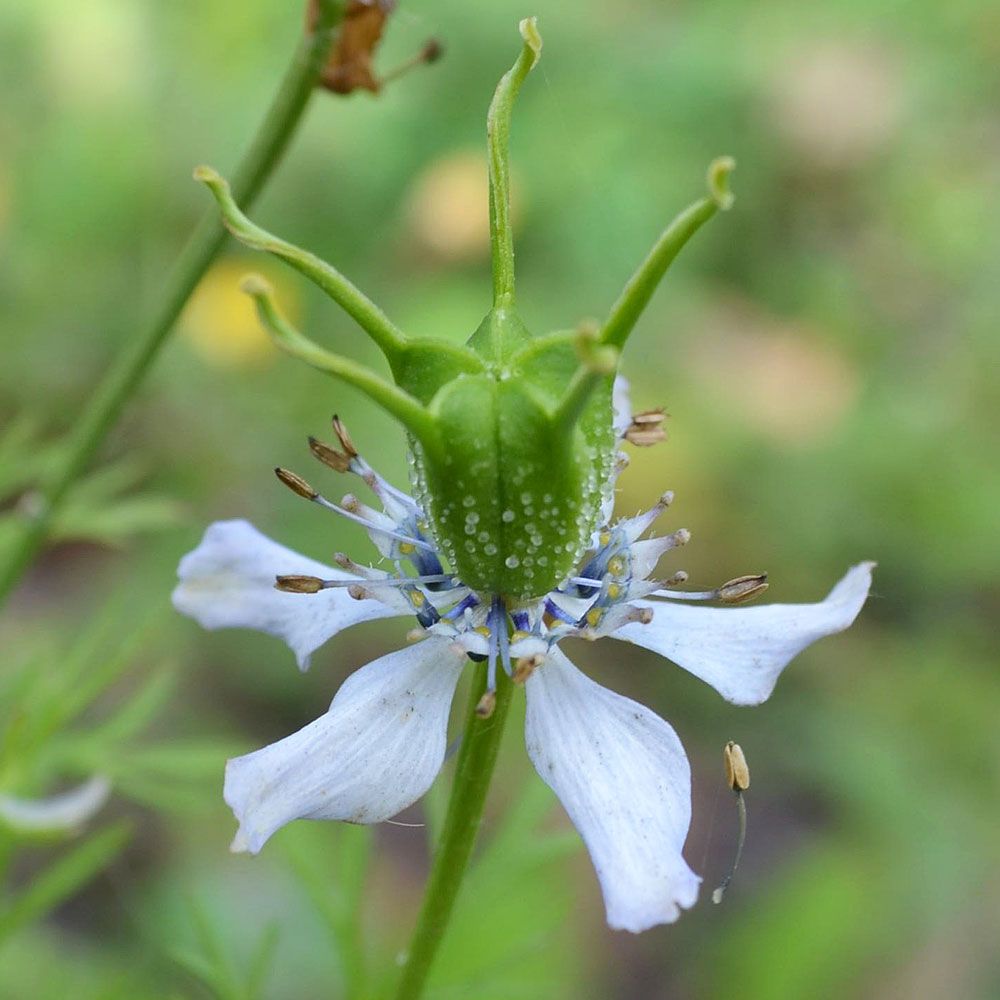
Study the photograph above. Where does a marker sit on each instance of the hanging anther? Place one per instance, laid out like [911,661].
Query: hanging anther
[296,484]
[298,584]
[646,428]
[526,666]
[743,589]
[738,779]
[487,704]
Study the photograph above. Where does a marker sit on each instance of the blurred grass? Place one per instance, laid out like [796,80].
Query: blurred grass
[827,351]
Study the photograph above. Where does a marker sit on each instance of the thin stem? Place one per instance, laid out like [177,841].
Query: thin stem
[476,760]
[108,400]
[395,401]
[635,296]
[498,141]
[388,337]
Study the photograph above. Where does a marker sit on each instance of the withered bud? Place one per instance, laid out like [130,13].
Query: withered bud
[329,456]
[487,703]
[737,772]
[296,483]
[743,589]
[432,51]
[646,428]
[526,666]
[343,437]
[298,584]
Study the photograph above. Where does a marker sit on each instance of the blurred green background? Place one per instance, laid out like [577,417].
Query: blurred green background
[828,353]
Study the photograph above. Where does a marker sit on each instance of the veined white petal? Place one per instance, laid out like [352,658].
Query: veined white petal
[621,774]
[741,651]
[65,811]
[228,582]
[376,750]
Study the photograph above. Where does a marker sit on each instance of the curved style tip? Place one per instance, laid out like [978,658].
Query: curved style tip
[256,285]
[718,181]
[207,175]
[528,28]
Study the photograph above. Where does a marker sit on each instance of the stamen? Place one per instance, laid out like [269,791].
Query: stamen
[299,584]
[358,519]
[344,438]
[329,456]
[487,703]
[738,779]
[743,588]
[526,666]
[388,581]
[646,428]
[738,591]
[585,581]
[296,484]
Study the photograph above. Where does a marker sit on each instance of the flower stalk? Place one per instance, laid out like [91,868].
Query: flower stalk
[125,374]
[476,760]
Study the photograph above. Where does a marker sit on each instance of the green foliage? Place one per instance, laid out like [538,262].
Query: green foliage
[105,506]
[828,356]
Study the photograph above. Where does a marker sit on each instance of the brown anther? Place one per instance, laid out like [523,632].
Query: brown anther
[487,703]
[432,51]
[343,561]
[678,578]
[743,589]
[643,616]
[646,428]
[681,536]
[329,456]
[343,437]
[666,499]
[296,483]
[350,503]
[737,772]
[526,666]
[359,593]
[298,584]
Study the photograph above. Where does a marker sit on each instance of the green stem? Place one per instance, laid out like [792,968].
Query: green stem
[476,760]
[109,398]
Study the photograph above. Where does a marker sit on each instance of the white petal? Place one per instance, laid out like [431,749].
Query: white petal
[66,811]
[621,774]
[741,651]
[621,404]
[228,582]
[376,751]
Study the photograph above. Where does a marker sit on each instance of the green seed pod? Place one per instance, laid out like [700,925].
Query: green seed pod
[511,434]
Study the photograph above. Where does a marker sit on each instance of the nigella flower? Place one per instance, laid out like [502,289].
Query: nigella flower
[507,548]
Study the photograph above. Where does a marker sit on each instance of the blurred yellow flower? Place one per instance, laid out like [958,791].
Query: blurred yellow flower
[446,209]
[220,323]
[779,379]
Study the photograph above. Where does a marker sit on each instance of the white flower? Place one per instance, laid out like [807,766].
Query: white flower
[64,812]
[618,769]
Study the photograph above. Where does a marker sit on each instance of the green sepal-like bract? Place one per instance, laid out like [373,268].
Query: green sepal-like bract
[511,433]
